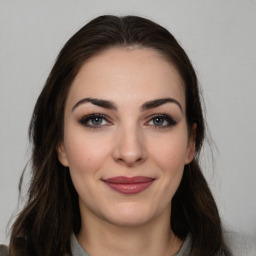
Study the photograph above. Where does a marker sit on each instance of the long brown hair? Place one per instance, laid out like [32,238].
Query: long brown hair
[51,213]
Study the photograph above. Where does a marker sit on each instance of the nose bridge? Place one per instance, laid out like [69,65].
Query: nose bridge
[130,148]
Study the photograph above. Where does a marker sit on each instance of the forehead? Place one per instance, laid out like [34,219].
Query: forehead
[128,75]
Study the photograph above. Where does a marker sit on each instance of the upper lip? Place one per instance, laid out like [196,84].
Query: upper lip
[128,180]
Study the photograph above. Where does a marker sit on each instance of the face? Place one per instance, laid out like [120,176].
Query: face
[125,136]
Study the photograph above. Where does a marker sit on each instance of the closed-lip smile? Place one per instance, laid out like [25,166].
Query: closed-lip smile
[129,185]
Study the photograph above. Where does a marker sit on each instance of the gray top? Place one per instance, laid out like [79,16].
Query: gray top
[3,250]
[239,244]
[77,249]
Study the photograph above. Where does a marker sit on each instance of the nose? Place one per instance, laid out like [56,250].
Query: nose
[130,147]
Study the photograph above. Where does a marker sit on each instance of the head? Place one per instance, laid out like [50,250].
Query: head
[51,185]
[96,37]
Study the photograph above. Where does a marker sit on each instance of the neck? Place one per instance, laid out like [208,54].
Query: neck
[101,238]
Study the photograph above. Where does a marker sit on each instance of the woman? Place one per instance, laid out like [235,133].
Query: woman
[116,133]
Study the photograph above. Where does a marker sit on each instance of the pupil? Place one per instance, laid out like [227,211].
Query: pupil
[97,120]
[158,121]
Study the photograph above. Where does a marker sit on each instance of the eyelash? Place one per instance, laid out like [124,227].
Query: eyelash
[164,117]
[85,120]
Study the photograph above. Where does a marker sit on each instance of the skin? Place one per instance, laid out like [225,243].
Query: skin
[128,141]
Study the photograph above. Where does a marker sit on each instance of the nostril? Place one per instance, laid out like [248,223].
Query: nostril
[139,159]
[129,148]
[130,161]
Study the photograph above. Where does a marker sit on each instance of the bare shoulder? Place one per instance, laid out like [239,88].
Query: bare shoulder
[3,250]
[241,244]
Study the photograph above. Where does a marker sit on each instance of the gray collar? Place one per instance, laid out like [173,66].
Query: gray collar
[77,249]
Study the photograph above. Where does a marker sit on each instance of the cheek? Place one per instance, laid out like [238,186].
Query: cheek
[170,151]
[86,155]
[169,154]
[85,152]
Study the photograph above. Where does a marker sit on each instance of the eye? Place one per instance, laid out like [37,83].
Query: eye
[161,121]
[95,121]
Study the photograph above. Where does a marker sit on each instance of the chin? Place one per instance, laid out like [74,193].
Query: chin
[130,216]
[128,221]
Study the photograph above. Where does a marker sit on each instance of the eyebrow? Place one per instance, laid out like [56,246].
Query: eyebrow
[158,102]
[111,105]
[98,102]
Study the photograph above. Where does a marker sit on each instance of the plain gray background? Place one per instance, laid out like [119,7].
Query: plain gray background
[220,39]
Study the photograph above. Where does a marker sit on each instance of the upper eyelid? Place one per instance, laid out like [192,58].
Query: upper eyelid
[167,117]
[161,115]
[94,115]
[107,117]
[110,120]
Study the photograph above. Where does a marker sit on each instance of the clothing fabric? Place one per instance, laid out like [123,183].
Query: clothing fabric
[77,249]
[3,250]
[240,245]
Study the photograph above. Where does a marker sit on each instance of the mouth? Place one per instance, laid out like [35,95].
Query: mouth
[129,185]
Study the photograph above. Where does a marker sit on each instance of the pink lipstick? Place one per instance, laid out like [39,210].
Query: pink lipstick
[129,185]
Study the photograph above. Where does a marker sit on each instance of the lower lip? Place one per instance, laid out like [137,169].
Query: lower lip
[130,188]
